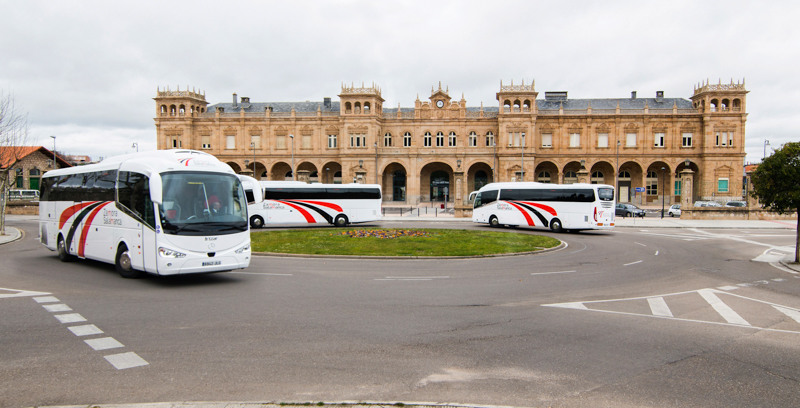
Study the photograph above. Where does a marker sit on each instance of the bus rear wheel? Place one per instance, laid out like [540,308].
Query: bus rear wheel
[555,225]
[123,264]
[256,221]
[63,253]
[340,221]
[494,222]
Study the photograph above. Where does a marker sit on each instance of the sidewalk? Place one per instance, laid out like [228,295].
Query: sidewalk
[12,234]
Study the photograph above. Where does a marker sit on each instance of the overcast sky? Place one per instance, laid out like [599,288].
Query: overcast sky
[87,71]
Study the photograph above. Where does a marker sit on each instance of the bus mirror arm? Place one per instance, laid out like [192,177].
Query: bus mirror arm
[156,193]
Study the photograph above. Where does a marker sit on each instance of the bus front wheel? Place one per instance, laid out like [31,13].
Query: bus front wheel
[340,221]
[256,221]
[123,263]
[555,225]
[63,253]
[493,221]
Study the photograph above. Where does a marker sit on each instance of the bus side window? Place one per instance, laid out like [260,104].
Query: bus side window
[488,197]
[477,202]
[134,194]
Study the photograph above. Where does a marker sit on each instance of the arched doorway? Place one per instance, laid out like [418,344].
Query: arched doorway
[440,185]
[481,179]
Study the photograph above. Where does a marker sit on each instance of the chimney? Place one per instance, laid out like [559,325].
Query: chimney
[245,100]
[659,96]
[326,102]
[235,100]
[633,95]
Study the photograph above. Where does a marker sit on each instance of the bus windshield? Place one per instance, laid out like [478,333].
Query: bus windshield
[202,204]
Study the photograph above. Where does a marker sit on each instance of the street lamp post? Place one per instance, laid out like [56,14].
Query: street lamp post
[55,163]
[663,191]
[376,163]
[136,145]
[253,146]
[616,176]
[494,169]
[327,175]
[293,176]
[522,163]
[766,142]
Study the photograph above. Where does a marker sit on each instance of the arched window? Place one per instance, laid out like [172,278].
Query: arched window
[34,172]
[366,107]
[387,140]
[348,108]
[357,108]
[481,179]
[597,177]
[439,139]
[507,106]
[451,140]
[407,139]
[714,105]
[489,139]
[526,106]
[570,177]
[426,140]
[651,183]
[473,139]
[543,177]
[624,176]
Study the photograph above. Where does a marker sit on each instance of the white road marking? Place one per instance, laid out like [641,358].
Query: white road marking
[126,360]
[46,299]
[417,277]
[20,293]
[103,343]
[728,287]
[794,314]
[551,273]
[570,305]
[268,274]
[656,253]
[632,263]
[640,244]
[85,330]
[659,307]
[70,318]
[724,310]
[57,308]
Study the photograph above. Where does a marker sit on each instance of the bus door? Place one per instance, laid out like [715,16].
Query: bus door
[133,192]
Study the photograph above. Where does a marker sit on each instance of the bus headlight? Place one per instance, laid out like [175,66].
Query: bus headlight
[245,248]
[169,253]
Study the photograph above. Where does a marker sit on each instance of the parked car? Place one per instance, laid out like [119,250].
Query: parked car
[30,195]
[628,210]
[674,210]
[735,204]
[707,204]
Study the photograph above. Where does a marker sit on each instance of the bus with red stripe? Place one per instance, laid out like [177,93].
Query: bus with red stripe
[559,207]
[292,202]
[166,212]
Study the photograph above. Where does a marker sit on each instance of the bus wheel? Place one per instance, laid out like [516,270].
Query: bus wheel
[493,221]
[555,225]
[63,254]
[256,221]
[340,221]
[123,264]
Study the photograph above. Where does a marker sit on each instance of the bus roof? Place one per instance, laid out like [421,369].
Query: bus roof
[159,161]
[536,185]
[300,184]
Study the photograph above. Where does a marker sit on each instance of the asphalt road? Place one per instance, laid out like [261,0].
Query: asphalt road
[626,318]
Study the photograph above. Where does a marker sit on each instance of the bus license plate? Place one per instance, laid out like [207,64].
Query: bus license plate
[212,263]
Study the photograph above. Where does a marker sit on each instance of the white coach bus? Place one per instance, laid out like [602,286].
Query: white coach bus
[294,202]
[166,212]
[571,207]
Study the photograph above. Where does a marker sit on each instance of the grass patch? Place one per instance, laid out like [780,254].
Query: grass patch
[419,242]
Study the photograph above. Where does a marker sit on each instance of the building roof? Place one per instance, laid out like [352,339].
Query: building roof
[11,154]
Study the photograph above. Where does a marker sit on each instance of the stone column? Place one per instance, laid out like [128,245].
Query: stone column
[459,204]
[303,175]
[361,176]
[687,185]
[583,176]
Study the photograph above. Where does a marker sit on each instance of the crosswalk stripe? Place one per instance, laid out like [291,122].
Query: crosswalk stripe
[794,314]
[724,310]
[659,307]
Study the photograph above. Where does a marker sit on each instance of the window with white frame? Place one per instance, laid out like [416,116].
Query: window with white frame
[651,183]
[439,139]
[205,142]
[387,140]
[547,140]
[426,140]
[630,140]
[358,140]
[451,139]
[602,140]
[686,139]
[659,139]
[331,141]
[255,140]
[597,177]
[473,139]
[230,142]
[543,177]
[570,177]
[407,139]
[724,139]
[175,142]
[575,139]
[516,139]
[722,185]
[489,139]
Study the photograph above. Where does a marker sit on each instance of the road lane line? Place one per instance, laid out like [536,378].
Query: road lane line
[103,343]
[794,314]
[640,244]
[259,273]
[659,307]
[70,318]
[417,277]
[724,310]
[551,273]
[57,308]
[46,299]
[632,263]
[126,360]
[85,330]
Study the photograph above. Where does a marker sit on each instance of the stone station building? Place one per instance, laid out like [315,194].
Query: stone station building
[674,149]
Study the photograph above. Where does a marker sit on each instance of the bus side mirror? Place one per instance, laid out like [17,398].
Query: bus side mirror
[156,193]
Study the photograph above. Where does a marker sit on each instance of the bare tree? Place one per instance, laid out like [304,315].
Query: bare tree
[13,137]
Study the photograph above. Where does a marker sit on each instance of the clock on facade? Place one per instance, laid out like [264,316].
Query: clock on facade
[439,103]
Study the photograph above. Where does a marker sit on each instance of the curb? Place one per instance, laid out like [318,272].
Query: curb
[19,235]
[272,404]
[561,246]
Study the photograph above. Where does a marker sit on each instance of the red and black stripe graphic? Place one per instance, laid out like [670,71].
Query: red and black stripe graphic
[530,207]
[315,206]
[85,209]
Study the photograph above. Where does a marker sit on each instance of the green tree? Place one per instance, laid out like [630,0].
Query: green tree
[776,183]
